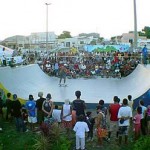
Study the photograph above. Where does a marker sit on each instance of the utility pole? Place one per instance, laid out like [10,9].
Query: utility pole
[135,26]
[47,4]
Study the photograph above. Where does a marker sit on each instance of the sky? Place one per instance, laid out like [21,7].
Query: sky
[107,17]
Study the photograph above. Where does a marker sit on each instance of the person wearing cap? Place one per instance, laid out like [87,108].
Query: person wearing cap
[40,113]
[66,115]
[17,114]
[30,106]
[47,107]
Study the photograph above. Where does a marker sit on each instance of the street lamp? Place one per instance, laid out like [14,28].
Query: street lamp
[47,4]
[135,25]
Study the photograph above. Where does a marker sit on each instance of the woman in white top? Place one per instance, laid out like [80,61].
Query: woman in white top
[66,115]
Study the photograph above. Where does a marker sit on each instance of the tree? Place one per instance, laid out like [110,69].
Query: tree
[93,42]
[65,34]
[146,31]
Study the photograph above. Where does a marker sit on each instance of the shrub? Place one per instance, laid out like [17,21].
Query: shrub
[51,138]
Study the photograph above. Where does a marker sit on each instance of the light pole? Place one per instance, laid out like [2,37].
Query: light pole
[47,4]
[135,25]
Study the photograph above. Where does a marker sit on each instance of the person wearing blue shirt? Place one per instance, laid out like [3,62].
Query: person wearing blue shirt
[144,54]
[30,106]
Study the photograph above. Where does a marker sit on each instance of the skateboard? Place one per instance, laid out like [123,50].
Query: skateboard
[64,85]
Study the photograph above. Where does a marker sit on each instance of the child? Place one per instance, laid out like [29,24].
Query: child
[56,114]
[148,119]
[100,128]
[24,115]
[90,123]
[80,128]
[137,124]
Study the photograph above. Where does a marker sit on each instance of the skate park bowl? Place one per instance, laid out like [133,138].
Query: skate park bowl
[30,79]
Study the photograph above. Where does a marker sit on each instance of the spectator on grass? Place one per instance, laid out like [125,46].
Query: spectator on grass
[17,114]
[99,119]
[148,119]
[80,128]
[130,101]
[137,123]
[124,116]
[143,123]
[66,115]
[104,111]
[9,107]
[90,122]
[113,112]
[79,105]
[56,114]
[30,106]
[1,111]
[40,113]
[47,107]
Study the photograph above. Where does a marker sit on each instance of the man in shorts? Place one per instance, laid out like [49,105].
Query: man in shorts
[113,112]
[124,116]
[62,74]
[30,106]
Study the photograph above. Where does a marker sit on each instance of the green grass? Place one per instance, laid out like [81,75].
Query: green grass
[10,139]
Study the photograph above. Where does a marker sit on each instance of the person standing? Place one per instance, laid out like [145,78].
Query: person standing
[30,106]
[124,116]
[79,105]
[66,115]
[137,123]
[130,102]
[1,112]
[9,107]
[148,119]
[143,121]
[62,73]
[80,128]
[90,122]
[40,113]
[17,114]
[47,108]
[144,54]
[56,114]
[113,113]
[56,67]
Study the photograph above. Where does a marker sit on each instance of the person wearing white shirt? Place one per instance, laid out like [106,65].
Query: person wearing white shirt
[66,115]
[124,116]
[56,114]
[80,128]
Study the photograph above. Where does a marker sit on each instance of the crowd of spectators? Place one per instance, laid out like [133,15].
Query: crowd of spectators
[85,64]
[116,119]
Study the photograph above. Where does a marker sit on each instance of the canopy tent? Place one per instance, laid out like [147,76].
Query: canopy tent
[7,52]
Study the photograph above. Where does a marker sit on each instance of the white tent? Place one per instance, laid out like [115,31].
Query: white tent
[7,52]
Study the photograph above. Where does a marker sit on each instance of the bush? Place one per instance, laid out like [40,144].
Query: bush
[51,138]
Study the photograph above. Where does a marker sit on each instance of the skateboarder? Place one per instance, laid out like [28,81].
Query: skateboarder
[62,74]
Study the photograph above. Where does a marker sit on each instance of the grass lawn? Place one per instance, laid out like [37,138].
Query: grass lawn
[10,139]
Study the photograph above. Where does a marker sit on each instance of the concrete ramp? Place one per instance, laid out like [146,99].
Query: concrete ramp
[25,80]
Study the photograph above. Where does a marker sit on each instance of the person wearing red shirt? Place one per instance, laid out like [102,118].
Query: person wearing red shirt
[113,112]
